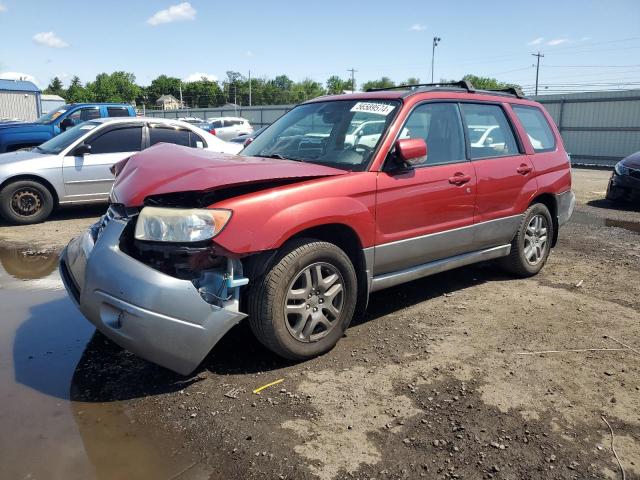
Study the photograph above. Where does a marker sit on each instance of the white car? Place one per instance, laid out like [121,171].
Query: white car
[191,120]
[75,166]
[227,128]
[367,134]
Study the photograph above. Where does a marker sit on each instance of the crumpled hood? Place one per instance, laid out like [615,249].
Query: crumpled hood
[632,161]
[166,168]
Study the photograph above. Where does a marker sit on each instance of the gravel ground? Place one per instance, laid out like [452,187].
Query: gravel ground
[438,380]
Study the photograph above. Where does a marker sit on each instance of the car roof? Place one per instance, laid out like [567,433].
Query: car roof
[112,120]
[210,119]
[108,104]
[428,92]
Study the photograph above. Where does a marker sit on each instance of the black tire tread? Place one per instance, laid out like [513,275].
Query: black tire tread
[6,212]
[260,299]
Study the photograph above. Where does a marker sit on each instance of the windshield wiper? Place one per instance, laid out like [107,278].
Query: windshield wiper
[280,157]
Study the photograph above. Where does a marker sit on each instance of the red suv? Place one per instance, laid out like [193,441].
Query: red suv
[342,196]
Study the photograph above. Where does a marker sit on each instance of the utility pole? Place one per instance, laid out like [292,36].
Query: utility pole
[433,53]
[249,87]
[353,78]
[180,87]
[537,68]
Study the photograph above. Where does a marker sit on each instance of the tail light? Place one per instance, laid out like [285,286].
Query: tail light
[212,131]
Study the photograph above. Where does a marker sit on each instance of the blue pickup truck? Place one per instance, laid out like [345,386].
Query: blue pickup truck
[17,135]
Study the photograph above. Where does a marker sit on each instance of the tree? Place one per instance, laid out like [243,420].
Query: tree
[116,87]
[384,82]
[55,87]
[202,93]
[487,83]
[306,90]
[163,85]
[76,93]
[335,85]
[412,81]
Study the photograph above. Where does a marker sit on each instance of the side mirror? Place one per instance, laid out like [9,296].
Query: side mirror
[81,150]
[66,123]
[411,151]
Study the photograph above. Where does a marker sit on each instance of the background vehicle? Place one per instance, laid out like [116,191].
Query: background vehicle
[227,128]
[301,230]
[19,135]
[75,166]
[247,137]
[625,180]
[191,120]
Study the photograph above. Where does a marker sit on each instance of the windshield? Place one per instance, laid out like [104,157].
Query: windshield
[329,133]
[52,115]
[66,138]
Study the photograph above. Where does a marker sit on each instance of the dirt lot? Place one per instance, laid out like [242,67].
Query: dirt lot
[438,380]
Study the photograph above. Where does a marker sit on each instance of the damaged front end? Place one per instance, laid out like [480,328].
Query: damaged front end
[168,302]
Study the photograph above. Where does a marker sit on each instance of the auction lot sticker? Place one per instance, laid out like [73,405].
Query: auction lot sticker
[372,107]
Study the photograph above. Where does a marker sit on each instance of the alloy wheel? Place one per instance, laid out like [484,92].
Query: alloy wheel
[535,239]
[314,301]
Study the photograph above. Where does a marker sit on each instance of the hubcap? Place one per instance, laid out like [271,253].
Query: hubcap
[26,202]
[314,301]
[535,239]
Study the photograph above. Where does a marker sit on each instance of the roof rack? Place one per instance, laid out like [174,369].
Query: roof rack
[461,84]
[465,84]
[510,90]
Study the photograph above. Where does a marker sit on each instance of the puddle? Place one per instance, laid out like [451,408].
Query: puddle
[44,433]
[582,218]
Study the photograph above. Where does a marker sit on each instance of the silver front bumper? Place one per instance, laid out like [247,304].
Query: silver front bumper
[566,202]
[158,317]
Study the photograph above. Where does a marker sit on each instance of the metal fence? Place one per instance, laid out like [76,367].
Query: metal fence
[598,128]
[259,116]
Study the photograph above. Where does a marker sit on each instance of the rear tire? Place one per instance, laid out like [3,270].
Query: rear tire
[305,302]
[25,202]
[531,246]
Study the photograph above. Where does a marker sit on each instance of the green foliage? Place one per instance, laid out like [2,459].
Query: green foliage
[335,85]
[384,82]
[76,93]
[280,90]
[487,83]
[55,87]
[116,87]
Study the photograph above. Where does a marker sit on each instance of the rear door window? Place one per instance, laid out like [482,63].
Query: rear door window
[181,136]
[537,128]
[117,112]
[84,114]
[489,132]
[124,139]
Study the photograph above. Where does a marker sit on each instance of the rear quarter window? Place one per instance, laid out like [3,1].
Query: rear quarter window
[537,128]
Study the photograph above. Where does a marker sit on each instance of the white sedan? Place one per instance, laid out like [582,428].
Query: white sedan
[74,167]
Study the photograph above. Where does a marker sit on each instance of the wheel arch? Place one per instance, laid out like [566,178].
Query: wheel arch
[34,178]
[549,201]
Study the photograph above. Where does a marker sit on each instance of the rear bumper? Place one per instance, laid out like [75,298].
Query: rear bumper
[566,202]
[158,317]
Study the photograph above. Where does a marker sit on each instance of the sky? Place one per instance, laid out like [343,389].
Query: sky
[586,44]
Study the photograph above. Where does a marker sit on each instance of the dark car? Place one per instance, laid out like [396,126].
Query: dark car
[624,184]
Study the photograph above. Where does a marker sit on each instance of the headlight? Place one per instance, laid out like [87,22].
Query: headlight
[180,225]
[621,169]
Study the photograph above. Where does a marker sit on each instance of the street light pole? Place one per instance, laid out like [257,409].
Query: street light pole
[537,68]
[433,53]
[249,87]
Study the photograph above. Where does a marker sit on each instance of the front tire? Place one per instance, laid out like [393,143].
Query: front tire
[306,301]
[531,246]
[25,202]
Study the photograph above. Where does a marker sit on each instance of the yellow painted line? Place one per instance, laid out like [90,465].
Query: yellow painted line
[259,389]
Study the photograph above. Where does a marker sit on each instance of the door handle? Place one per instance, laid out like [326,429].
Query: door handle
[523,169]
[459,179]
